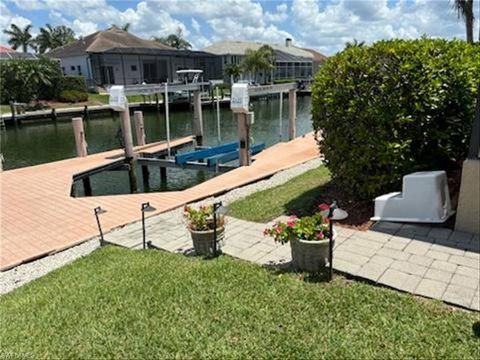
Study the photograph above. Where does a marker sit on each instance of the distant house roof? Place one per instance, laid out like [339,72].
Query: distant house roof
[9,54]
[233,47]
[318,57]
[103,41]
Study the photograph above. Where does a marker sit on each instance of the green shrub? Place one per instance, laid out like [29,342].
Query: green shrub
[393,108]
[72,96]
[72,82]
[24,80]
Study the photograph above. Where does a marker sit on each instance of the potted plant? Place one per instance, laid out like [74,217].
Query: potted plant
[200,223]
[309,240]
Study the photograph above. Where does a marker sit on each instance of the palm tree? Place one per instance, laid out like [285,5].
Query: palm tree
[53,37]
[20,37]
[262,59]
[464,9]
[234,71]
[174,40]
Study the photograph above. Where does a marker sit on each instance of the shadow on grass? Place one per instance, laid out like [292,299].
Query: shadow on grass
[307,203]
[476,329]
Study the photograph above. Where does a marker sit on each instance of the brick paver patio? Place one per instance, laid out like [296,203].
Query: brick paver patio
[428,261]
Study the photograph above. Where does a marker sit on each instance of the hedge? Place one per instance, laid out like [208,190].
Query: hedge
[72,82]
[72,96]
[393,108]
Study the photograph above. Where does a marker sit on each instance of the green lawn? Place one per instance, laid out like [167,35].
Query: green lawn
[296,196]
[4,109]
[118,303]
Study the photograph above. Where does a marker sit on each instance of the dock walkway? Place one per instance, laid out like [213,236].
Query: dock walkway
[39,217]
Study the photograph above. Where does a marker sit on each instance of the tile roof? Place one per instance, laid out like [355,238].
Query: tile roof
[234,47]
[102,41]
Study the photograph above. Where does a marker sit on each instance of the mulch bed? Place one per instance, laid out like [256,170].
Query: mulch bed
[360,212]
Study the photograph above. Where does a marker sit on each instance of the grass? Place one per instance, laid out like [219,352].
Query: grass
[296,196]
[4,109]
[117,303]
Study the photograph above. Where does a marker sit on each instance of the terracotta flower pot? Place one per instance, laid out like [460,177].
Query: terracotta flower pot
[203,241]
[310,256]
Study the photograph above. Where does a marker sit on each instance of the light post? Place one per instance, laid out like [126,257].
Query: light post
[334,214]
[218,209]
[99,211]
[146,207]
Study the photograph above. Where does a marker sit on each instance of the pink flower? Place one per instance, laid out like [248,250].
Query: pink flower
[323,207]
[265,232]
[320,235]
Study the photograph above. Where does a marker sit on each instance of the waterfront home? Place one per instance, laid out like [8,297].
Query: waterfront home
[10,54]
[115,56]
[291,61]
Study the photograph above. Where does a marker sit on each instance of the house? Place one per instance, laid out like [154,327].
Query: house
[115,56]
[10,54]
[291,62]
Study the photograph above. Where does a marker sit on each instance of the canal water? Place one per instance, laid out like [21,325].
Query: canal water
[37,143]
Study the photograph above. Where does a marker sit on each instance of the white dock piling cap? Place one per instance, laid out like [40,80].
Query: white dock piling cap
[239,99]
[117,100]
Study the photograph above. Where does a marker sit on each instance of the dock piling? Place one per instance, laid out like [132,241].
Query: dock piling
[244,139]
[163,175]
[128,143]
[54,115]
[292,109]
[139,128]
[87,186]
[85,113]
[197,118]
[79,133]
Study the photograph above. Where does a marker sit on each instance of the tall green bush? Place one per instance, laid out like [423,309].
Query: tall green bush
[24,80]
[392,108]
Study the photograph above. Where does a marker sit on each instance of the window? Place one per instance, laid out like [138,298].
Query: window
[63,70]
[133,68]
[79,70]
[72,68]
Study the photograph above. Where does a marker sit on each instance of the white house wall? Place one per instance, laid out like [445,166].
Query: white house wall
[70,66]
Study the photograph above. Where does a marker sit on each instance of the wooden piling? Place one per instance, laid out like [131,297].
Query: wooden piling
[85,113]
[128,143]
[146,177]
[87,186]
[139,128]
[163,175]
[292,109]
[54,115]
[79,133]
[13,111]
[198,118]
[244,139]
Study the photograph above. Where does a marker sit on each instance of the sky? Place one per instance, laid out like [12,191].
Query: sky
[324,25]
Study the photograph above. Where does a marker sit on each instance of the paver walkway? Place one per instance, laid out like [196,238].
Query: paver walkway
[38,216]
[428,261]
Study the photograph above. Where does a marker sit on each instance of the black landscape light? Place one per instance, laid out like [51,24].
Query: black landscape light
[99,211]
[218,209]
[334,214]
[146,207]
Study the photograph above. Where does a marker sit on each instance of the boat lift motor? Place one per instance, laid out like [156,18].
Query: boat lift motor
[424,199]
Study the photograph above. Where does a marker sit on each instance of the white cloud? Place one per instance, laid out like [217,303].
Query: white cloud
[328,26]
[7,19]
[279,16]
[195,25]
